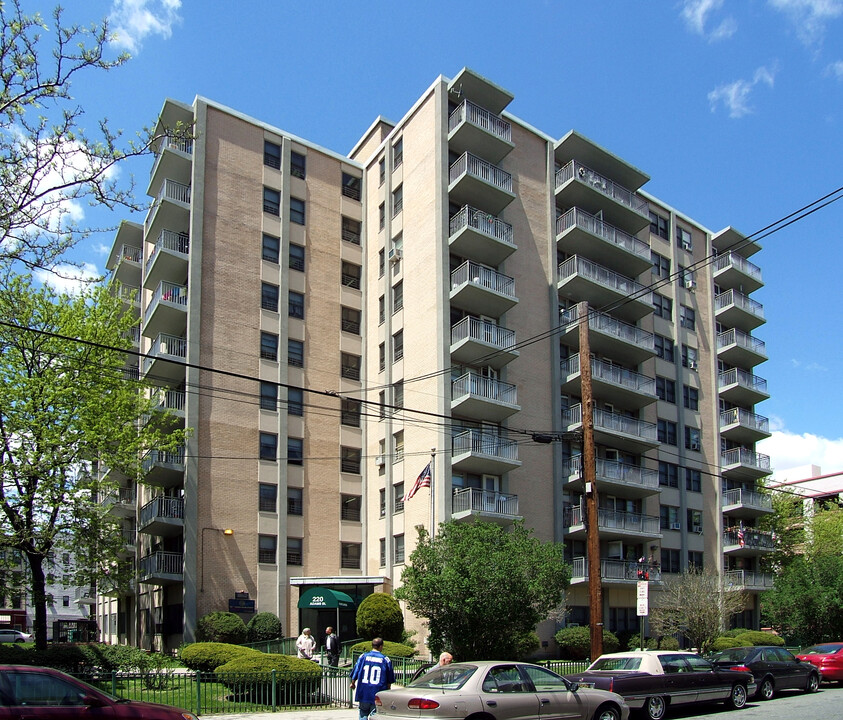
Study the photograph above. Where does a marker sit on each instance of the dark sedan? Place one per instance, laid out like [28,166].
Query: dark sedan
[773,668]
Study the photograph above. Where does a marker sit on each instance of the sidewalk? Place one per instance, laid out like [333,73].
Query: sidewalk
[332,714]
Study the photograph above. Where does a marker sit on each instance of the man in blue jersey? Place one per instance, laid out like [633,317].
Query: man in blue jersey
[374,673]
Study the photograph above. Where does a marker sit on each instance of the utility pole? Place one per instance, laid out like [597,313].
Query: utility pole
[589,469]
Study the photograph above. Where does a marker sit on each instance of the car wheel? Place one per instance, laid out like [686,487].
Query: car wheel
[18,640]
[766,690]
[737,698]
[655,707]
[813,683]
[607,712]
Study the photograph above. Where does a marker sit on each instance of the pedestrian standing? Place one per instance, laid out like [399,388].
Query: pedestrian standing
[306,645]
[332,647]
[373,671]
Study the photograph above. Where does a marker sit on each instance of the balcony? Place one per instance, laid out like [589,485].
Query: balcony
[580,279]
[747,542]
[579,186]
[483,398]
[480,236]
[616,478]
[480,342]
[611,383]
[477,504]
[734,271]
[608,336]
[736,310]
[129,294]
[481,452]
[729,239]
[168,405]
[741,349]
[120,501]
[579,233]
[166,311]
[482,291]
[749,580]
[614,430]
[612,524]
[126,267]
[172,160]
[161,568]
[742,464]
[746,503]
[473,181]
[474,129]
[168,259]
[165,359]
[162,516]
[616,572]
[741,387]
[86,596]
[170,209]
[129,235]
[128,547]
[743,426]
[163,468]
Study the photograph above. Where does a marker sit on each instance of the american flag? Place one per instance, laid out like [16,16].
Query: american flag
[741,540]
[423,480]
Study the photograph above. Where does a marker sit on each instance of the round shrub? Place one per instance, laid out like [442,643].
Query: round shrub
[665,643]
[724,643]
[250,675]
[392,649]
[379,615]
[208,656]
[757,637]
[734,633]
[263,626]
[575,642]
[224,627]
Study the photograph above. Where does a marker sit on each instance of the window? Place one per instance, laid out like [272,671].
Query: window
[667,432]
[382,541]
[350,507]
[295,402]
[271,201]
[268,446]
[351,230]
[687,278]
[382,175]
[381,216]
[350,460]
[294,551]
[693,480]
[659,225]
[297,211]
[398,346]
[350,366]
[669,517]
[295,353]
[670,561]
[269,297]
[692,438]
[661,265]
[399,548]
[296,257]
[382,495]
[267,497]
[295,451]
[65,600]
[687,317]
[663,306]
[666,389]
[351,186]
[350,555]
[695,559]
[295,501]
[381,262]
[350,320]
[297,165]
[267,548]
[350,413]
[397,296]
[683,239]
[398,498]
[694,520]
[398,153]
[381,310]
[398,446]
[269,396]
[295,308]
[668,474]
[269,346]
[397,200]
[382,404]
[398,394]
[271,248]
[382,356]
[271,155]
[691,397]
[351,275]
[664,347]
[689,357]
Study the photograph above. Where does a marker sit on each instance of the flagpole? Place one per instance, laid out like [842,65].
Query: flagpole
[432,492]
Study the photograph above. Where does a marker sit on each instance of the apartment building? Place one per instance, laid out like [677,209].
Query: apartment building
[325,326]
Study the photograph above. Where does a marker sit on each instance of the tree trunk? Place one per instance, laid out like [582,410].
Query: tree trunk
[39,598]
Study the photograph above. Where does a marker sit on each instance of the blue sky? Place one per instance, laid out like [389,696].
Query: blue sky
[733,107]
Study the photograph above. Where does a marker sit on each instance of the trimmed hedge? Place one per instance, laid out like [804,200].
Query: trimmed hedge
[379,615]
[757,637]
[296,679]
[724,643]
[575,642]
[392,649]
[222,627]
[666,643]
[208,656]
[80,658]
[263,626]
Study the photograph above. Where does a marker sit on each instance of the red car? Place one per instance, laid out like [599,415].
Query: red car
[47,694]
[828,657]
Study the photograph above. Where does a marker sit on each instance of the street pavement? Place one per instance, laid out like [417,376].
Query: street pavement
[332,714]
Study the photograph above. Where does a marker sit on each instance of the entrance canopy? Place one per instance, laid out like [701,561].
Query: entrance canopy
[324,598]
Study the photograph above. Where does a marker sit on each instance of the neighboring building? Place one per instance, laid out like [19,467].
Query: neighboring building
[809,482]
[439,268]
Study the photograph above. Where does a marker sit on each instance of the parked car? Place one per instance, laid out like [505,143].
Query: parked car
[9,635]
[654,680]
[47,694]
[828,657]
[500,690]
[773,668]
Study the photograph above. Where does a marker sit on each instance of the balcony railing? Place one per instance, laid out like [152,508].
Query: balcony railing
[613,422]
[742,456]
[484,277]
[741,339]
[612,569]
[611,373]
[589,223]
[609,325]
[167,345]
[482,331]
[739,496]
[745,418]
[614,520]
[181,144]
[621,284]
[468,164]
[177,242]
[482,443]
[161,563]
[485,387]
[749,578]
[602,184]
[745,303]
[614,471]
[166,399]
[736,376]
[122,495]
[483,222]
[128,293]
[162,457]
[739,263]
[749,538]
[477,500]
[482,118]
[162,507]
[131,253]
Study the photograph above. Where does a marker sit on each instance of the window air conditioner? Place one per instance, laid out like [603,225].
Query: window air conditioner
[380,460]
[690,284]
[686,245]
[394,255]
[675,526]
[697,528]
[694,446]
[693,365]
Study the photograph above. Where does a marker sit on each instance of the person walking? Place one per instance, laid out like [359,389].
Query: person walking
[332,647]
[374,672]
[305,645]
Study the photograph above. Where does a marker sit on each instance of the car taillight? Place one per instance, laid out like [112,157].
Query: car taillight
[378,701]
[422,704]
[740,668]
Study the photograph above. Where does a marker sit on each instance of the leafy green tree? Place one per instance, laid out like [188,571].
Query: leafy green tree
[379,615]
[65,402]
[482,588]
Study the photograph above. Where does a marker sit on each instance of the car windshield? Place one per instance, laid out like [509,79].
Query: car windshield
[616,663]
[821,650]
[730,656]
[449,677]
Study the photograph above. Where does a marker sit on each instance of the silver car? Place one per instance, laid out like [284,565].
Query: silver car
[500,690]
[16,636]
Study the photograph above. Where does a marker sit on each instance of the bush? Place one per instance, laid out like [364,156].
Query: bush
[724,643]
[527,644]
[664,643]
[297,680]
[392,649]
[757,637]
[263,626]
[221,627]
[734,633]
[379,615]
[208,656]
[575,642]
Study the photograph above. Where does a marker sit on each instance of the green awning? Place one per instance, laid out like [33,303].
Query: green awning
[321,597]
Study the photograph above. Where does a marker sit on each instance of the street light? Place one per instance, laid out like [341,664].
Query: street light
[225,531]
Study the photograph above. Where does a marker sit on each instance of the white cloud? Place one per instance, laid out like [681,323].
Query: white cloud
[835,69]
[810,17]
[101,249]
[791,450]
[135,20]
[695,13]
[809,366]
[69,279]
[735,95]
